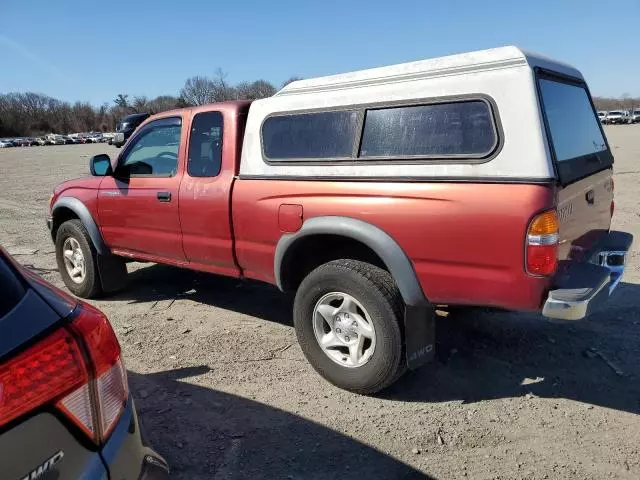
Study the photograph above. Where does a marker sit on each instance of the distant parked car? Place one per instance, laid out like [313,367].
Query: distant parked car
[635,116]
[17,142]
[618,117]
[602,116]
[127,126]
[39,141]
[5,143]
[57,140]
[94,138]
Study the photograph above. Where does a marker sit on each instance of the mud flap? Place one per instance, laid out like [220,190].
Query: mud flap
[420,335]
[113,273]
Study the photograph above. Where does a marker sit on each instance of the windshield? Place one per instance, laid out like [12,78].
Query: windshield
[615,112]
[575,130]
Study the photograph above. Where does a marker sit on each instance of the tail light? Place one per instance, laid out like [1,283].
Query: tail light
[78,369]
[542,244]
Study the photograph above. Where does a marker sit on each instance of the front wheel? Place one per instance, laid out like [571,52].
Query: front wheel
[77,260]
[347,316]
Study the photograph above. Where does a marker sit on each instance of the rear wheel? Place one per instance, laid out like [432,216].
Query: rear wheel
[347,316]
[77,260]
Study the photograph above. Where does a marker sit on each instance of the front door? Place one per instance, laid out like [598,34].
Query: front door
[138,205]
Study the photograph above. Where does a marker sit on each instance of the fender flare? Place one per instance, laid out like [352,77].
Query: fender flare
[376,239]
[80,209]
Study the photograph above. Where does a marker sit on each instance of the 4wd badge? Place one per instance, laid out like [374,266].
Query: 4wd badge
[40,470]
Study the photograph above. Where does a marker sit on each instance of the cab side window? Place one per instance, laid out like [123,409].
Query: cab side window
[154,151]
[205,145]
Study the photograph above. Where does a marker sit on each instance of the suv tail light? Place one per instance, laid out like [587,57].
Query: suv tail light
[77,368]
[542,244]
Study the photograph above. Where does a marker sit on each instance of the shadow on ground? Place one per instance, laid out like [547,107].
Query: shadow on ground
[481,355]
[205,433]
[162,282]
[489,355]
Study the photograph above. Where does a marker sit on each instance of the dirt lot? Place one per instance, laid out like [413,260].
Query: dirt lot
[224,391]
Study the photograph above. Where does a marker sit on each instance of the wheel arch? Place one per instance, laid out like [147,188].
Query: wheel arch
[67,208]
[380,243]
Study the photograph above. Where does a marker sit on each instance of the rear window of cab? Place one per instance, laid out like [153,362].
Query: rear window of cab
[457,130]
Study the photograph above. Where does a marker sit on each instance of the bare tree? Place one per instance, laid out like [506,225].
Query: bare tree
[290,80]
[121,100]
[140,104]
[223,91]
[627,102]
[606,104]
[198,90]
[255,90]
[163,103]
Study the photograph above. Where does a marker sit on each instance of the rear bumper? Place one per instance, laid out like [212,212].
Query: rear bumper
[126,456]
[585,286]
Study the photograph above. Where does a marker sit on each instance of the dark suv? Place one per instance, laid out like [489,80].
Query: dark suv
[127,126]
[65,406]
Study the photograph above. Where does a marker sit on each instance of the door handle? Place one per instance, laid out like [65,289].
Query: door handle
[164,196]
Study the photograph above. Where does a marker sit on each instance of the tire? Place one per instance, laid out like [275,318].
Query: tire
[379,300]
[89,286]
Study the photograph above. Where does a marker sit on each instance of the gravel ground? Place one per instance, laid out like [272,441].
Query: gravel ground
[224,391]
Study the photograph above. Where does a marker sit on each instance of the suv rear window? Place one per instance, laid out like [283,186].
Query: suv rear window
[11,288]
[576,136]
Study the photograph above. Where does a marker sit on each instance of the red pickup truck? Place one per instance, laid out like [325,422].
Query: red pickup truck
[481,179]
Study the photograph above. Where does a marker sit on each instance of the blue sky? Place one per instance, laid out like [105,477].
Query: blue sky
[92,51]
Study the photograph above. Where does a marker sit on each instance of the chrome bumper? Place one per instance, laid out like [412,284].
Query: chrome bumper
[585,286]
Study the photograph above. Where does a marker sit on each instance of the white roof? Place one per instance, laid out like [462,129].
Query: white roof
[482,60]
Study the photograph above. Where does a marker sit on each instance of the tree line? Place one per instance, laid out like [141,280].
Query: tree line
[626,102]
[35,114]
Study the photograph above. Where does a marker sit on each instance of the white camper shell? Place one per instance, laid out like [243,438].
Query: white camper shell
[496,92]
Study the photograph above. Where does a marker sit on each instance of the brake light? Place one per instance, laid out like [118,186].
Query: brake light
[48,370]
[77,368]
[542,244]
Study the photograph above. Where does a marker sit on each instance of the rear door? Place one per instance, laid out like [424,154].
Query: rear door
[583,163]
[205,195]
[138,205]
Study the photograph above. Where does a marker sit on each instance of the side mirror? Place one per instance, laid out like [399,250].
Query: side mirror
[100,165]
